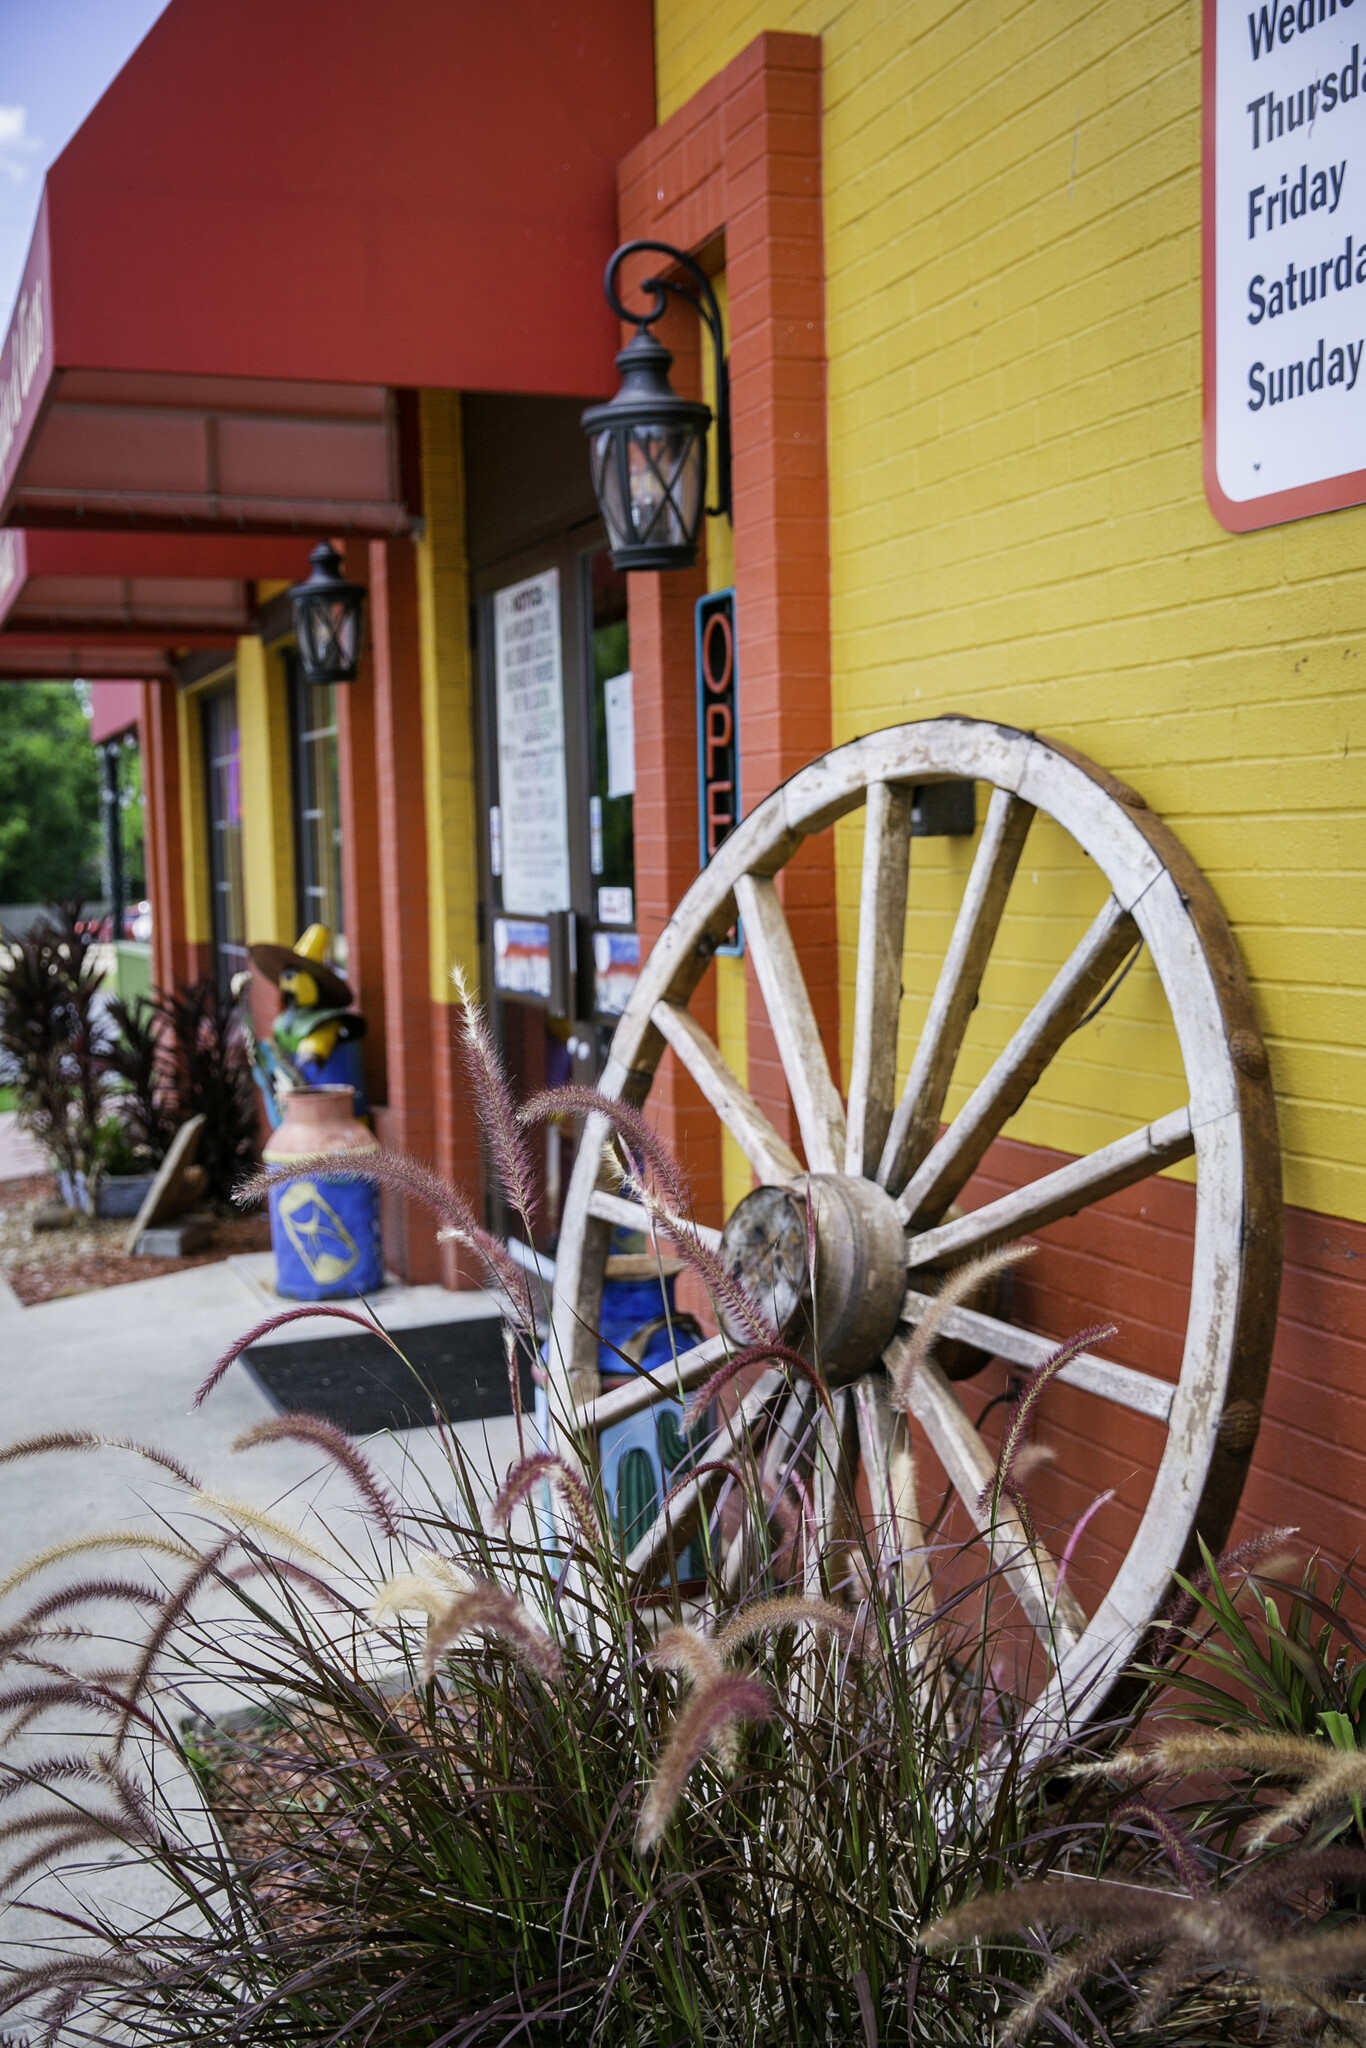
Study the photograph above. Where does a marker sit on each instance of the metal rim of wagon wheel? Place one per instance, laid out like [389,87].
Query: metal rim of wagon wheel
[884,1158]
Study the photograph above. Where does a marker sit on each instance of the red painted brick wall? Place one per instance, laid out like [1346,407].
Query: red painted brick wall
[738,170]
[1128,1261]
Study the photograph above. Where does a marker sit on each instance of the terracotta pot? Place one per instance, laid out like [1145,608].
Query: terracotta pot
[318,1120]
[324,1231]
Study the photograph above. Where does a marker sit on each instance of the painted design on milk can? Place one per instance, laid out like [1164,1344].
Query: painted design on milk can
[325,1233]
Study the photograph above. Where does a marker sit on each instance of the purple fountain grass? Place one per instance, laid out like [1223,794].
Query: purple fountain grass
[1179,1849]
[334,1443]
[76,1595]
[687,1650]
[1240,1559]
[87,1440]
[727,1702]
[726,1465]
[557,1472]
[176,1606]
[66,1971]
[631,1127]
[958,1287]
[488,1610]
[277,1322]
[765,1617]
[502,1126]
[293,1575]
[732,1304]
[1079,1527]
[88,1693]
[1002,1485]
[775,1353]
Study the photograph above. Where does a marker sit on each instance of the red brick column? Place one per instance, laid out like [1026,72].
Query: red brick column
[737,172]
[408,1124]
[661,614]
[775,273]
[361,894]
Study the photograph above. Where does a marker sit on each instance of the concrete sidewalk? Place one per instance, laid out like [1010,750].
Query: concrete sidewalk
[125,1362]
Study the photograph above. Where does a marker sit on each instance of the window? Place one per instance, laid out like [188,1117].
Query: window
[221,762]
[317,816]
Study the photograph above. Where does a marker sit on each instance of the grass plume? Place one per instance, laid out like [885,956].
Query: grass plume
[336,1445]
[556,1472]
[707,1718]
[504,1130]
[634,1131]
[910,1352]
[88,1440]
[278,1322]
[488,1610]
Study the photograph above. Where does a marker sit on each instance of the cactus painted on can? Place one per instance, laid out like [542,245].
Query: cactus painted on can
[324,1232]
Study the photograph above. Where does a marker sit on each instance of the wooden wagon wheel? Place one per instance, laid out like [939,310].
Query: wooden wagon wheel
[883,1180]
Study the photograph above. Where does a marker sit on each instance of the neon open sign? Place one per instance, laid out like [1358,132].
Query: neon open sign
[718,727]
[718,735]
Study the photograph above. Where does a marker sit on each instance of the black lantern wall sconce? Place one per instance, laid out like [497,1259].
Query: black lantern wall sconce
[329,619]
[648,446]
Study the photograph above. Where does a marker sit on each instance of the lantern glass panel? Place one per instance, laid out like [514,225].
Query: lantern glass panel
[607,487]
[666,479]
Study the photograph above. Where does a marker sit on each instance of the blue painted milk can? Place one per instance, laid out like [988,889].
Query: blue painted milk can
[324,1231]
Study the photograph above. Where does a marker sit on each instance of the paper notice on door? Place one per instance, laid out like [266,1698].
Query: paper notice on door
[621,735]
[531,775]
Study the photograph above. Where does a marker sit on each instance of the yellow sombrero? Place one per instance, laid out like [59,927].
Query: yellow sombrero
[308,956]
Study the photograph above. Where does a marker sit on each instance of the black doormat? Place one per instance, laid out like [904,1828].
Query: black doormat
[359,1383]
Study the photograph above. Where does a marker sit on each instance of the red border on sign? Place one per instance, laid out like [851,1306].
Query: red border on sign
[1335,493]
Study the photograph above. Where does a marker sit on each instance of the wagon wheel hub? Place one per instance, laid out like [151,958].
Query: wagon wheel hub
[857,1249]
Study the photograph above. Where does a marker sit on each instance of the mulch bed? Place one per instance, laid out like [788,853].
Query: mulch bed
[45,1265]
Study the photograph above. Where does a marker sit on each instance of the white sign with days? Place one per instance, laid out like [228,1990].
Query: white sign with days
[532,802]
[1285,258]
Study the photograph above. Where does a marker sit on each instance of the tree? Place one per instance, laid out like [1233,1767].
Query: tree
[49,795]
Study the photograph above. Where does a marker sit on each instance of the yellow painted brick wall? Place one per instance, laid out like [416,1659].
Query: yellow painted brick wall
[267,807]
[1019,529]
[447,724]
[194,822]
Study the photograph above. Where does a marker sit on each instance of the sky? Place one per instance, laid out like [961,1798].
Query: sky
[56,58]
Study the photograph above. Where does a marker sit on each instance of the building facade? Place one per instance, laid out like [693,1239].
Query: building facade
[959,255]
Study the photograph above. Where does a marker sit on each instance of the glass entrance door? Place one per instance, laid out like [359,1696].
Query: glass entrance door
[557,860]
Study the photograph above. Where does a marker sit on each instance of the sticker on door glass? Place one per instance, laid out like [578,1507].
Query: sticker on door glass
[621,735]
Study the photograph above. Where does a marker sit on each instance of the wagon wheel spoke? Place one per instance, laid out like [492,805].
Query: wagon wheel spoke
[833,1470]
[820,1113]
[877,1001]
[916,1122]
[1121,1384]
[676,1523]
[956,1156]
[889,1467]
[635,1216]
[1056,1615]
[771,1157]
[1073,1187]
[675,1375]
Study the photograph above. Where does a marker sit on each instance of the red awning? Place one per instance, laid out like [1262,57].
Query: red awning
[174,590]
[277,218]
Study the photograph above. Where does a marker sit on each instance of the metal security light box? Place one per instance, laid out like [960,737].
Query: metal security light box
[648,446]
[329,619]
